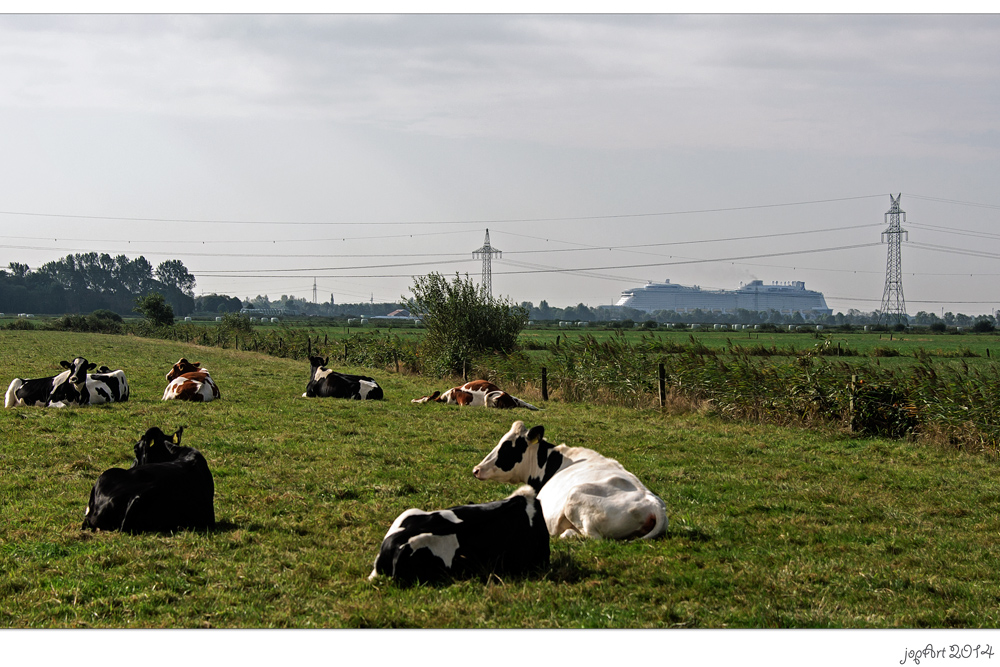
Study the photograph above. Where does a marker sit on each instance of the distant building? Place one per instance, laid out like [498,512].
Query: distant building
[786,298]
[263,311]
[400,314]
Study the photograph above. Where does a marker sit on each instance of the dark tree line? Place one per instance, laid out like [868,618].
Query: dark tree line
[83,283]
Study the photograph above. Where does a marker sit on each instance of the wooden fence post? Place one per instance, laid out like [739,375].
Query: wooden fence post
[309,345]
[850,406]
[662,377]
[545,384]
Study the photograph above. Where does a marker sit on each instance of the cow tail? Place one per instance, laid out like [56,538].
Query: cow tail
[10,398]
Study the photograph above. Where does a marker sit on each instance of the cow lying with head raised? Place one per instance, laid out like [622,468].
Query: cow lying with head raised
[168,488]
[503,537]
[325,382]
[189,382]
[33,392]
[477,393]
[74,386]
[82,388]
[582,493]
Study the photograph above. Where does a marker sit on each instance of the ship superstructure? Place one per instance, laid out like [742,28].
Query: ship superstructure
[786,298]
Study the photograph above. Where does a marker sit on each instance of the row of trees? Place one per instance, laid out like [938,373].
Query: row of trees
[83,283]
[854,317]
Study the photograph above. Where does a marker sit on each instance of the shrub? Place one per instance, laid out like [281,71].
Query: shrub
[155,309]
[882,410]
[983,326]
[462,321]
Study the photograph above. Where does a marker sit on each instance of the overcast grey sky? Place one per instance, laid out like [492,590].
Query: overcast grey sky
[601,151]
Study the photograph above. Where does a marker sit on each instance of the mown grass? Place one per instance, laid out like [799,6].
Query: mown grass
[770,527]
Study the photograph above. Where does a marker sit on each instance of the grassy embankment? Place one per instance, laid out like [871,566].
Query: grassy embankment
[770,527]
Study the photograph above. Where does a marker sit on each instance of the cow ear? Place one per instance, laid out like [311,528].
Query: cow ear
[326,361]
[91,366]
[65,364]
[177,436]
[536,434]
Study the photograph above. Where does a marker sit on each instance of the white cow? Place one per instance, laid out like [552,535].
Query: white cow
[582,493]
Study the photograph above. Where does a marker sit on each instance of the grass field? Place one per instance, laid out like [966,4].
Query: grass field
[769,527]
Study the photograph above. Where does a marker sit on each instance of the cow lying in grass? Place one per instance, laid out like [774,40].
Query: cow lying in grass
[325,382]
[503,537]
[582,493]
[189,382]
[35,392]
[477,393]
[168,488]
[74,386]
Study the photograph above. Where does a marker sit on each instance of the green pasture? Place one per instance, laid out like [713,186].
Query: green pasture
[769,526]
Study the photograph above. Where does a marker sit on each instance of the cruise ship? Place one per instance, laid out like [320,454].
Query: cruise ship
[786,298]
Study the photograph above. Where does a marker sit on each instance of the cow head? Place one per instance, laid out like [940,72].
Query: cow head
[521,456]
[427,399]
[77,370]
[155,447]
[181,367]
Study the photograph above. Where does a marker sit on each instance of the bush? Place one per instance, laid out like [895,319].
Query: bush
[105,315]
[155,309]
[462,321]
[236,323]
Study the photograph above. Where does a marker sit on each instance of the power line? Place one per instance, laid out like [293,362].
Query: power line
[957,202]
[231,274]
[583,248]
[429,222]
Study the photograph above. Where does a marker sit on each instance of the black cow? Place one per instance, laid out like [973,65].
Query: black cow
[37,392]
[324,382]
[168,488]
[503,537]
[82,388]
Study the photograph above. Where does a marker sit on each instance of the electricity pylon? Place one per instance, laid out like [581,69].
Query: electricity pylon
[487,252]
[893,309]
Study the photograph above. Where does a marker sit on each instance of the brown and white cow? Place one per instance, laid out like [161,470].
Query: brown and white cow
[583,494]
[190,382]
[477,393]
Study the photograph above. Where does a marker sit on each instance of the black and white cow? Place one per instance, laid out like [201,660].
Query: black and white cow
[325,382]
[503,537]
[582,493]
[168,488]
[34,392]
[82,388]
[52,391]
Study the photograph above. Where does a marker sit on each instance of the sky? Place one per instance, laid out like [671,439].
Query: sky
[270,152]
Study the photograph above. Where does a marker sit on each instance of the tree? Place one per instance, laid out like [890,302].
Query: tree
[174,274]
[462,320]
[983,326]
[155,309]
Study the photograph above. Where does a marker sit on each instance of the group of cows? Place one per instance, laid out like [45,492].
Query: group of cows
[565,492]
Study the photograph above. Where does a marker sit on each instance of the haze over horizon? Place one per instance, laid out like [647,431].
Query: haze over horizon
[601,151]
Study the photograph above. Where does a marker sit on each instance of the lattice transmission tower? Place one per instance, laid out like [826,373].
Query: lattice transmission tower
[487,252]
[893,310]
